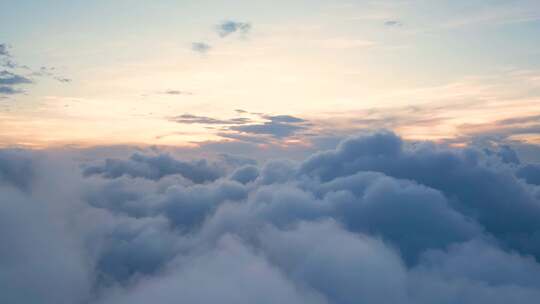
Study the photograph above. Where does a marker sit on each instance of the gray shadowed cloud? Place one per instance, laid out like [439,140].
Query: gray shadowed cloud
[273,128]
[284,118]
[230,27]
[156,167]
[50,72]
[194,119]
[375,219]
[201,47]
[6,60]
[5,90]
[177,92]
[224,29]
[4,50]
[393,23]
[10,82]
[278,126]
[8,78]
[249,129]
[530,173]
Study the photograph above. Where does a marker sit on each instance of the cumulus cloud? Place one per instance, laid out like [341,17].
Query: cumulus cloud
[531,173]
[16,168]
[374,220]
[156,167]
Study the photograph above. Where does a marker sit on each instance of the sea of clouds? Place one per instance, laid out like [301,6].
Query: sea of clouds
[375,220]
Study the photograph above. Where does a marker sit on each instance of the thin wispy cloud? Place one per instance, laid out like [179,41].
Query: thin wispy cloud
[201,47]
[229,27]
[251,129]
[204,120]
[4,49]
[8,78]
[393,23]
[8,90]
[224,29]
[15,74]
[177,92]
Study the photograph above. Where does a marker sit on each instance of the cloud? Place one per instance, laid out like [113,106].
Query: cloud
[230,265]
[16,168]
[224,29]
[245,174]
[480,192]
[284,118]
[201,47]
[393,23]
[5,90]
[6,59]
[375,219]
[248,129]
[531,173]
[275,129]
[9,83]
[8,78]
[230,27]
[156,167]
[38,247]
[50,72]
[177,92]
[500,130]
[205,120]
[4,50]
[11,76]
[279,126]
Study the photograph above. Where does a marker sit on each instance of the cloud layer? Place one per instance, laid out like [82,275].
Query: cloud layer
[373,220]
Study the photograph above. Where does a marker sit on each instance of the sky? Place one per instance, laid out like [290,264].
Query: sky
[131,72]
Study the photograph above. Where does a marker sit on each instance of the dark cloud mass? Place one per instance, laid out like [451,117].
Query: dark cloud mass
[374,220]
